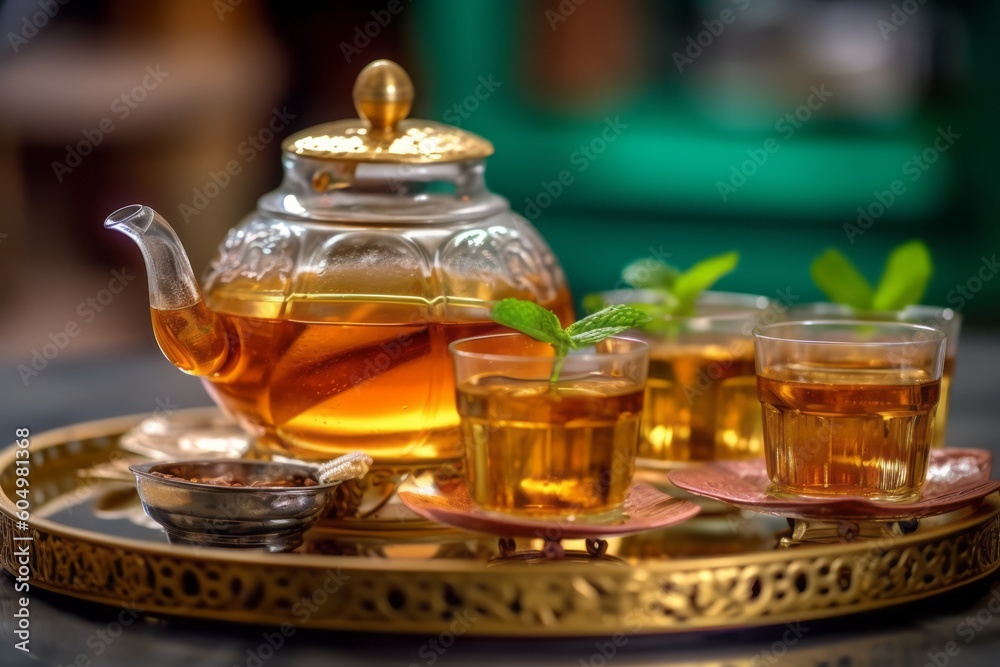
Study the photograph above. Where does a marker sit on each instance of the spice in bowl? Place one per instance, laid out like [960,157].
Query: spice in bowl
[229,479]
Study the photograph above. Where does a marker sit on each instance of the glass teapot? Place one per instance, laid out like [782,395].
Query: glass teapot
[327,314]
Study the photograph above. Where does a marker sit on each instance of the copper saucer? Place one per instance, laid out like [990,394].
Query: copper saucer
[645,508]
[956,478]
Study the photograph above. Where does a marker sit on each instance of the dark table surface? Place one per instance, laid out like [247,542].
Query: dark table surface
[66,631]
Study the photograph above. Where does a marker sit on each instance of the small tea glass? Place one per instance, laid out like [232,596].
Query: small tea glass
[701,396]
[848,406]
[945,319]
[542,448]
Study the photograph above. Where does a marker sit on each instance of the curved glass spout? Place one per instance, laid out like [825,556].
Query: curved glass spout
[172,284]
[190,335]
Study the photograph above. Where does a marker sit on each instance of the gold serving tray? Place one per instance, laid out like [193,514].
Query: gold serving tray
[91,541]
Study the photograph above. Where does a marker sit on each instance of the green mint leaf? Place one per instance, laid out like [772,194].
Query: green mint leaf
[659,313]
[649,273]
[690,284]
[680,290]
[905,278]
[604,324]
[840,281]
[660,317]
[594,302]
[530,319]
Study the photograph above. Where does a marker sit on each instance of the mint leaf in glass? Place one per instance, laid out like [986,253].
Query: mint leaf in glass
[840,280]
[678,291]
[649,273]
[690,284]
[604,324]
[535,321]
[594,302]
[904,280]
[657,313]
[530,319]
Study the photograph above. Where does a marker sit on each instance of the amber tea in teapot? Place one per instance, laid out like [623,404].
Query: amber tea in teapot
[378,388]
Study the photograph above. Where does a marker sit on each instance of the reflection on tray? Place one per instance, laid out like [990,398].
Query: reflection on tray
[114,509]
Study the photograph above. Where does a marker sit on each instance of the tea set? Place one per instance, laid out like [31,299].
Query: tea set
[322,331]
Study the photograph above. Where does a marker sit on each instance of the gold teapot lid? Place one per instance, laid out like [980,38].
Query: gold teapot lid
[383,95]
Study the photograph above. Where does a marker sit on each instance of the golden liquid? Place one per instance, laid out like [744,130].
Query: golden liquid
[536,449]
[859,432]
[319,389]
[701,403]
[191,338]
[938,437]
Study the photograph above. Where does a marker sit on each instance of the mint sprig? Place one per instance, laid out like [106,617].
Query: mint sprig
[840,280]
[541,324]
[689,285]
[678,290]
[904,280]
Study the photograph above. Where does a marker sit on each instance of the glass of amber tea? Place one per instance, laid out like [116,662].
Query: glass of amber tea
[701,396]
[848,406]
[945,319]
[545,448]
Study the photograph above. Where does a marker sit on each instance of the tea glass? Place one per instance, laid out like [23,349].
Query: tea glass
[701,396]
[945,319]
[543,448]
[848,406]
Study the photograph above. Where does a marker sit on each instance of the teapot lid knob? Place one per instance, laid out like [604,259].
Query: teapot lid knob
[383,94]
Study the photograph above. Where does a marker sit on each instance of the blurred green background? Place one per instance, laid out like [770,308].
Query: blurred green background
[892,87]
[623,129]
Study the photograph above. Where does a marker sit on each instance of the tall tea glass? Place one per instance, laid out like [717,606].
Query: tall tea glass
[848,406]
[701,396]
[545,448]
[946,320]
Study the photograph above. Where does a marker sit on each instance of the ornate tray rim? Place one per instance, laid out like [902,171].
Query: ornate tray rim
[549,599]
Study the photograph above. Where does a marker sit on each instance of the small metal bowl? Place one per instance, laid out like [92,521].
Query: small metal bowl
[248,517]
